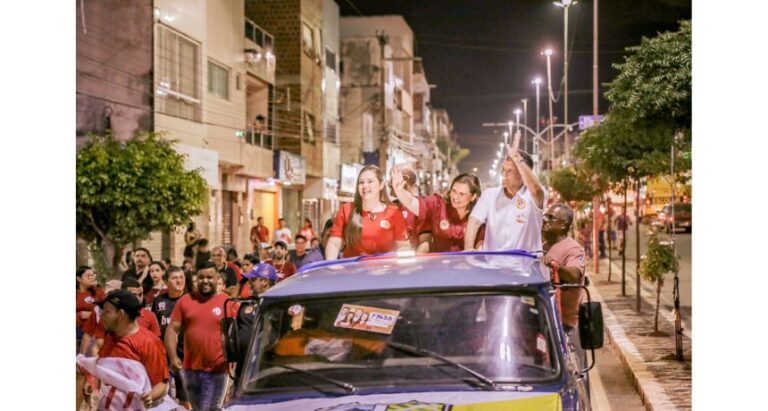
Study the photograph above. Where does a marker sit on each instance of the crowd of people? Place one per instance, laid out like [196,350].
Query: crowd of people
[169,318]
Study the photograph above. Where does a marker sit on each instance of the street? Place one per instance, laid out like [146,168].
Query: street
[611,389]
[683,249]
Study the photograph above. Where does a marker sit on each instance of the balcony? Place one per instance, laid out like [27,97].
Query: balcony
[258,138]
[259,52]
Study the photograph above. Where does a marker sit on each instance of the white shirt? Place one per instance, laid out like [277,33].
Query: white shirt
[510,223]
[283,234]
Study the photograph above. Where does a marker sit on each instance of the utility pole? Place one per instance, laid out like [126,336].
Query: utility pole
[525,121]
[548,53]
[384,137]
[595,229]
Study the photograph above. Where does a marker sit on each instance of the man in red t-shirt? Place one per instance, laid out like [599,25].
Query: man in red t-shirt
[126,339]
[282,265]
[199,314]
[259,233]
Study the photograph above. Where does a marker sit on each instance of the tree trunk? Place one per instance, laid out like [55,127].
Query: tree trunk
[610,243]
[659,284]
[106,256]
[637,244]
[624,246]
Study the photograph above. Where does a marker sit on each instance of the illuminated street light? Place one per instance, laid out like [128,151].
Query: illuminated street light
[565,4]
[517,118]
[548,53]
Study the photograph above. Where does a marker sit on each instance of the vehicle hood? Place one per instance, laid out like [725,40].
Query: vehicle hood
[450,400]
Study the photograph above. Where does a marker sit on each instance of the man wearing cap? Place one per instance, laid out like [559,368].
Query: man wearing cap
[126,339]
[199,314]
[260,279]
[284,267]
[512,212]
[95,329]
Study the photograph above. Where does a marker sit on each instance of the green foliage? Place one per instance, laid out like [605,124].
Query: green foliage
[449,146]
[654,82]
[572,185]
[127,189]
[458,155]
[659,260]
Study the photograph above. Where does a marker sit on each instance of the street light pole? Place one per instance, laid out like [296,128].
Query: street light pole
[517,119]
[565,4]
[548,53]
[525,121]
[537,82]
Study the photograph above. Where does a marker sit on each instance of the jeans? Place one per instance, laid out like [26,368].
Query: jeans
[177,388]
[205,389]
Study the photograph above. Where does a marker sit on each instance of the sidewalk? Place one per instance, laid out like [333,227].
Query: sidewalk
[662,382]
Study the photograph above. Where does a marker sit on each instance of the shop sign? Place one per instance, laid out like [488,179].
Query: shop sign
[290,168]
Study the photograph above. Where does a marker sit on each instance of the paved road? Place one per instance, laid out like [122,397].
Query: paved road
[683,248]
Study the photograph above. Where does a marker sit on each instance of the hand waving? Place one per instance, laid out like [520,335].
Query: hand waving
[512,150]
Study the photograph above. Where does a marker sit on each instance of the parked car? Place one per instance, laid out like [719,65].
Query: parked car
[435,331]
[682,218]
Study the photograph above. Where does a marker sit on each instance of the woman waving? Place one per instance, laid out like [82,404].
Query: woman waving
[369,225]
[445,216]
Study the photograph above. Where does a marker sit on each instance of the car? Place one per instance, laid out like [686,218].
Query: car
[440,331]
[682,218]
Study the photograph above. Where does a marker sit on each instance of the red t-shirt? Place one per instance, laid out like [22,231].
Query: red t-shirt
[284,269]
[146,319]
[413,224]
[442,220]
[140,346]
[379,233]
[153,292]
[261,233]
[200,318]
[84,301]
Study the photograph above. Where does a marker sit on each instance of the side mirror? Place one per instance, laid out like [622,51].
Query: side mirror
[591,325]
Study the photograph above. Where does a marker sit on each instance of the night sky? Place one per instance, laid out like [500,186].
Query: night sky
[483,55]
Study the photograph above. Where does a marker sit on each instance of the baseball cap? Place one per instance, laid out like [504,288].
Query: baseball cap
[281,244]
[124,300]
[262,270]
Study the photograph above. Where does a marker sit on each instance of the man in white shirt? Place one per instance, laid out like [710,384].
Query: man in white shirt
[282,233]
[512,213]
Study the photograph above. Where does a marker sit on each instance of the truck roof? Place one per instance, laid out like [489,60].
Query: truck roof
[428,271]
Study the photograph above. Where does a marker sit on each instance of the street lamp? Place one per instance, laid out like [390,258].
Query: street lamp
[565,4]
[537,82]
[517,118]
[548,53]
[525,121]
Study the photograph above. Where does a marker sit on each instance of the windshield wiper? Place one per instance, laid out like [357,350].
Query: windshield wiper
[349,388]
[427,353]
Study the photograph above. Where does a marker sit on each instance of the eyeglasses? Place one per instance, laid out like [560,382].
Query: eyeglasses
[507,171]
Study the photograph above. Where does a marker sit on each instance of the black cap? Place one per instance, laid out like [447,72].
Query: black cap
[124,300]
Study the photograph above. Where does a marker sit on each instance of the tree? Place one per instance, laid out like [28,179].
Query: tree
[127,189]
[571,184]
[659,260]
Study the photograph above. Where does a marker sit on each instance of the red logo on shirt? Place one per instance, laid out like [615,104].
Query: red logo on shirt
[385,224]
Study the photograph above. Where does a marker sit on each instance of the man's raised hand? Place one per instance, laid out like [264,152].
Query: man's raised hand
[513,149]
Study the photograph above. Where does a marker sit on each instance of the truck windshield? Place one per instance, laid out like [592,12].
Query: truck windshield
[362,342]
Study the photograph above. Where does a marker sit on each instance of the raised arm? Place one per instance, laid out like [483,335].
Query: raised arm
[407,199]
[332,248]
[529,177]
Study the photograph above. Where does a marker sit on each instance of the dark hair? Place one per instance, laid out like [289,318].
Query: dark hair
[130,283]
[300,236]
[568,214]
[173,269]
[474,188]
[281,244]
[191,226]
[280,219]
[202,241]
[208,265]
[79,273]
[148,283]
[306,220]
[252,257]
[232,252]
[145,250]
[354,229]
[409,174]
[328,224]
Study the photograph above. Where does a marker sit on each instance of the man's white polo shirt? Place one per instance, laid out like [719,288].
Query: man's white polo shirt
[510,223]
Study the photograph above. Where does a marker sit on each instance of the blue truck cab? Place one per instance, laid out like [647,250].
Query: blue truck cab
[450,331]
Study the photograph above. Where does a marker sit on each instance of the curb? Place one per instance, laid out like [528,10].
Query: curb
[651,392]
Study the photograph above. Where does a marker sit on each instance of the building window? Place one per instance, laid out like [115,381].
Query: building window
[309,128]
[178,77]
[308,40]
[330,59]
[257,35]
[218,80]
[238,82]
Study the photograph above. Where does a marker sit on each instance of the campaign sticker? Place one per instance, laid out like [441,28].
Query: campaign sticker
[520,203]
[444,225]
[541,343]
[528,300]
[384,224]
[216,311]
[248,309]
[360,317]
[89,299]
[520,219]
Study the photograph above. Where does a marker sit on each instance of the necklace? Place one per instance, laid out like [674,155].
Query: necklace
[372,215]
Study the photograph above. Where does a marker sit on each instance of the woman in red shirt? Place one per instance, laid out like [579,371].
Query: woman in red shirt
[153,285]
[370,225]
[307,231]
[87,294]
[445,216]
